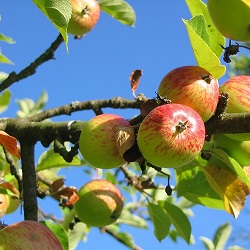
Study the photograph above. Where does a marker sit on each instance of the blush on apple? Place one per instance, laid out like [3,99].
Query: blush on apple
[171,135]
[100,203]
[28,235]
[192,86]
[98,143]
[238,88]
[85,15]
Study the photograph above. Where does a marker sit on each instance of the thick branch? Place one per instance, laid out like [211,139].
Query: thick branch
[31,69]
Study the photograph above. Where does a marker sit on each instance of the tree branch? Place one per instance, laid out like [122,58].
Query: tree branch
[31,69]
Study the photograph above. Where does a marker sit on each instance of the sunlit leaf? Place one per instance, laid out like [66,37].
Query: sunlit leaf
[160,220]
[4,100]
[209,245]
[3,76]
[178,218]
[9,143]
[228,187]
[120,10]
[6,39]
[221,236]
[4,59]
[205,57]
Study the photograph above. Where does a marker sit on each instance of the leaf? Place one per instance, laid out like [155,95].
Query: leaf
[58,12]
[3,76]
[134,79]
[60,233]
[6,39]
[4,100]
[207,243]
[9,143]
[178,218]
[4,59]
[228,187]
[120,10]
[198,7]
[50,159]
[205,57]
[221,236]
[78,233]
[160,221]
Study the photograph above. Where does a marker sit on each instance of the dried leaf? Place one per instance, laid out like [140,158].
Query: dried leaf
[228,187]
[67,194]
[56,185]
[125,138]
[9,143]
[135,80]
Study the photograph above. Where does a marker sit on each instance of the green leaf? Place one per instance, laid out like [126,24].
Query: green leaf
[120,10]
[4,59]
[6,39]
[178,218]
[207,243]
[50,159]
[41,101]
[79,233]
[205,57]
[198,7]
[128,218]
[160,220]
[58,12]
[3,76]
[221,236]
[4,100]
[60,233]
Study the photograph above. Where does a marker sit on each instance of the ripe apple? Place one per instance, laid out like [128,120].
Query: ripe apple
[171,135]
[28,235]
[192,86]
[85,15]
[238,88]
[100,203]
[4,203]
[239,150]
[98,143]
[231,18]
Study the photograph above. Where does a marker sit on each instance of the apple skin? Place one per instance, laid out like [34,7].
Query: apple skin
[4,204]
[239,150]
[192,86]
[100,203]
[28,235]
[238,88]
[160,142]
[98,143]
[85,15]
[231,18]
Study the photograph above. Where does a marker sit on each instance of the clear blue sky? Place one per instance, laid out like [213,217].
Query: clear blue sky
[98,67]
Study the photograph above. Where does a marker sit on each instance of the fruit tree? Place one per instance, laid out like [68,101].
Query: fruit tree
[99,155]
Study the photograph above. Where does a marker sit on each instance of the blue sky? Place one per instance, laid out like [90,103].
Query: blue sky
[98,67]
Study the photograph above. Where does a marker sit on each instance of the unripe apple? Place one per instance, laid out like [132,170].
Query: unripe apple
[171,135]
[238,88]
[239,150]
[192,86]
[14,203]
[4,203]
[85,15]
[100,203]
[98,143]
[28,235]
[231,18]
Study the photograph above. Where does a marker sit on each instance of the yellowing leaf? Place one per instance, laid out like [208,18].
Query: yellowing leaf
[9,143]
[228,187]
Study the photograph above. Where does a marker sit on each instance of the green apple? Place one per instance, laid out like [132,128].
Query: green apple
[238,88]
[239,150]
[100,203]
[85,15]
[98,143]
[4,203]
[231,18]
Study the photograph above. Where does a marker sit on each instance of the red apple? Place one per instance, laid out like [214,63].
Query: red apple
[100,203]
[28,235]
[85,15]
[171,135]
[98,143]
[192,86]
[238,88]
[239,150]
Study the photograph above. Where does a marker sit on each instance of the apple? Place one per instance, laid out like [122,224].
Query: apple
[192,86]
[238,88]
[171,135]
[28,235]
[244,185]
[85,15]
[231,18]
[4,203]
[239,150]
[98,143]
[100,203]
